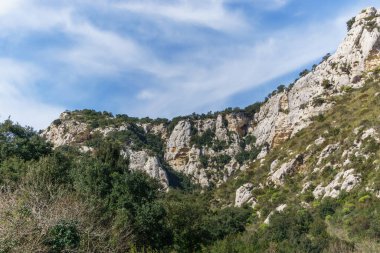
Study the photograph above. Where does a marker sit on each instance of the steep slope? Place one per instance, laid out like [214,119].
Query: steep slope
[299,172]
[211,148]
[338,152]
[330,170]
[288,112]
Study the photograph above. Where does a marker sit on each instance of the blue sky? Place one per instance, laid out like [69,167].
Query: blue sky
[157,58]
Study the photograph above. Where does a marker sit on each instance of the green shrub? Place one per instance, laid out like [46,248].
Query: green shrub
[326,84]
[253,109]
[304,73]
[219,145]
[346,89]
[62,237]
[57,122]
[350,23]
[22,142]
[327,207]
[204,139]
[318,101]
[365,198]
[204,160]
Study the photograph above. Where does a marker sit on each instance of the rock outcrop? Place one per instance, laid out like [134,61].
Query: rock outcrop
[279,209]
[228,140]
[277,175]
[142,161]
[244,195]
[288,112]
[343,181]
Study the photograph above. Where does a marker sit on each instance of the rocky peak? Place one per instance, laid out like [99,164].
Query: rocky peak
[286,113]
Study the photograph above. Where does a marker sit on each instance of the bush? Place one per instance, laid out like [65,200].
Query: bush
[350,23]
[326,84]
[280,88]
[221,160]
[203,140]
[247,155]
[327,207]
[252,109]
[62,237]
[304,72]
[203,160]
[318,101]
[21,142]
[219,145]
[57,122]
[326,57]
[230,220]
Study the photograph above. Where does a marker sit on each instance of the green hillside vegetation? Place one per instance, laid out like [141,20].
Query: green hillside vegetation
[350,223]
[64,200]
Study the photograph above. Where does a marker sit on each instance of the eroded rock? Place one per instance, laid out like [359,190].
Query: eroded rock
[244,195]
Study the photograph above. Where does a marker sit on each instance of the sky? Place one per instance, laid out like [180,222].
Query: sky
[157,58]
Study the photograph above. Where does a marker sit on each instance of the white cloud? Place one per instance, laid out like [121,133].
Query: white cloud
[264,4]
[145,95]
[7,6]
[203,77]
[98,51]
[207,13]
[17,98]
[250,66]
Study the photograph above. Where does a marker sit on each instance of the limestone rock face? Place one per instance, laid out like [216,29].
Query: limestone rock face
[193,167]
[343,181]
[179,144]
[277,175]
[370,133]
[279,209]
[327,151]
[215,159]
[156,129]
[244,195]
[185,157]
[286,113]
[65,131]
[238,123]
[221,130]
[141,161]
[181,156]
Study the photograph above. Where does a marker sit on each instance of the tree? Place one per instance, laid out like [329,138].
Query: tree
[350,23]
[63,237]
[21,142]
[304,72]
[281,88]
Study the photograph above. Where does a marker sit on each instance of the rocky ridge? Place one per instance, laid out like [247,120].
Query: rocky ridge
[212,148]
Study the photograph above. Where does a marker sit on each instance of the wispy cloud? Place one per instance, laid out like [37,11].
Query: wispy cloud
[271,4]
[17,87]
[168,57]
[248,67]
[208,13]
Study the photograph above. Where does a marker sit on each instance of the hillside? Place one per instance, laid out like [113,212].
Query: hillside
[298,172]
[211,148]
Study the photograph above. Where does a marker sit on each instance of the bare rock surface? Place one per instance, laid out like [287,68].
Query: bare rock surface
[244,195]
[343,181]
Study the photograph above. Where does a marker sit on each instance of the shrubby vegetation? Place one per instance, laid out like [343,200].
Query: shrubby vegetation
[348,223]
[294,230]
[68,201]
[63,200]
[350,23]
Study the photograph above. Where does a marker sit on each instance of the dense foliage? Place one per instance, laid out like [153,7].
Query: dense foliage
[64,200]
[71,201]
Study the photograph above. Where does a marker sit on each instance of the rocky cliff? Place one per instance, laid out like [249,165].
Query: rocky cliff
[212,148]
